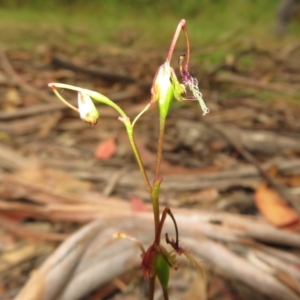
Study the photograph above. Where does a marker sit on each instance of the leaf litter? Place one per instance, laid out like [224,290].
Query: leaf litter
[55,171]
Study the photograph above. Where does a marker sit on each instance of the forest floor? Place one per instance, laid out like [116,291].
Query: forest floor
[232,176]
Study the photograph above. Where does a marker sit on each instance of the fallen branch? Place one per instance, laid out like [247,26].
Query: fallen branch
[59,205]
[255,141]
[276,185]
[63,62]
[22,232]
[91,258]
[17,80]
[250,82]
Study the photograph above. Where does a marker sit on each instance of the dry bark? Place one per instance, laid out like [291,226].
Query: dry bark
[85,260]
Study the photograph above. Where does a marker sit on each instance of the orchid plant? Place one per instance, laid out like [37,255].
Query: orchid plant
[156,260]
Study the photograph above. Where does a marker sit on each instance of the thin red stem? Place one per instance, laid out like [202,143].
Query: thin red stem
[175,225]
[151,287]
[174,40]
[165,293]
[161,224]
[186,66]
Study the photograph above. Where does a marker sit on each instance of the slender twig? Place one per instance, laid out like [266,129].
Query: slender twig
[282,191]
[114,181]
[17,80]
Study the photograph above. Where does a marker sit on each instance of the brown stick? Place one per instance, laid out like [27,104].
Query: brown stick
[63,62]
[92,257]
[18,230]
[237,267]
[57,105]
[241,80]
[281,189]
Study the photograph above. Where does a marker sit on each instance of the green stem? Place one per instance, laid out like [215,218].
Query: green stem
[158,178]
[162,122]
[155,205]
[97,96]
[142,112]
[129,129]
[102,99]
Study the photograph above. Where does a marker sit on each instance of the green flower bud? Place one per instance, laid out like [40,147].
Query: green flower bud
[87,110]
[162,89]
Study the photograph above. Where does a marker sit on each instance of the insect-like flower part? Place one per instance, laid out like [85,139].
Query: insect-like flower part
[180,250]
[192,84]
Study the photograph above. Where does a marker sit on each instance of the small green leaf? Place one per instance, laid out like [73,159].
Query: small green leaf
[162,269]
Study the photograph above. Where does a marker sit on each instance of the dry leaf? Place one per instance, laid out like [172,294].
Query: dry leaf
[54,179]
[106,149]
[273,208]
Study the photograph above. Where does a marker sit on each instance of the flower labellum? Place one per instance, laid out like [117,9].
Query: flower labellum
[87,110]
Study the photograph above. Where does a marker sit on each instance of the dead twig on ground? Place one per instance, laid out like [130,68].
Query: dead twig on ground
[16,80]
[250,82]
[63,62]
[93,263]
[22,232]
[280,188]
[114,181]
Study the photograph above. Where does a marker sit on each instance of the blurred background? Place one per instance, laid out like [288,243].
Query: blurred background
[138,22]
[232,177]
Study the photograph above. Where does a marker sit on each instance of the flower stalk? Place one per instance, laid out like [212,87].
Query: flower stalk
[156,259]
